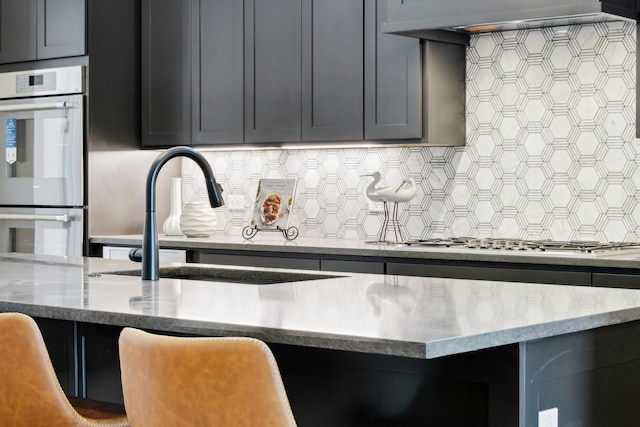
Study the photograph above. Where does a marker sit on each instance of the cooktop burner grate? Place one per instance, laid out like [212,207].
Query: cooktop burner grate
[520,244]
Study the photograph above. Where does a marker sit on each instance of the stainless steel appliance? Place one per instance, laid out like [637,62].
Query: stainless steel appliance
[578,246]
[42,201]
[422,18]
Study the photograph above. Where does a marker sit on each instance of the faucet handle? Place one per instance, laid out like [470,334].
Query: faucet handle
[135,254]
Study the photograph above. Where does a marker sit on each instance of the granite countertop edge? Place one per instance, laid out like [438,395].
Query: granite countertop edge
[403,316]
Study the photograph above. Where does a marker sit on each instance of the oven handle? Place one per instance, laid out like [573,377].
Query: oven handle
[32,107]
[35,217]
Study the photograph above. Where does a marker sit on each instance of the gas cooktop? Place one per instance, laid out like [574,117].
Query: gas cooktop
[524,245]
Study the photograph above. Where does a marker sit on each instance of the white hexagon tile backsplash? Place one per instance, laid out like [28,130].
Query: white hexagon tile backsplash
[551,151]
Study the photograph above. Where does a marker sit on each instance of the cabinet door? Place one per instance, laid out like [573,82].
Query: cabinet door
[17,30]
[392,79]
[272,70]
[100,362]
[59,338]
[61,28]
[166,72]
[333,78]
[218,78]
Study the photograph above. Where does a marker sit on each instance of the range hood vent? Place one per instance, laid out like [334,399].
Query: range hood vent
[438,19]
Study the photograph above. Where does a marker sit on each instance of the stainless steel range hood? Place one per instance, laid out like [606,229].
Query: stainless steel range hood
[437,19]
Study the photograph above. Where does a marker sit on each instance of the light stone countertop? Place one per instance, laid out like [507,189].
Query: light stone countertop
[273,242]
[406,316]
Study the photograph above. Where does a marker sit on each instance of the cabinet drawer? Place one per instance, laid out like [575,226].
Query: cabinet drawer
[609,280]
[279,261]
[349,266]
[499,273]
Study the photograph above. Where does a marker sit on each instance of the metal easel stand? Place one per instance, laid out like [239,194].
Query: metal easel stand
[288,233]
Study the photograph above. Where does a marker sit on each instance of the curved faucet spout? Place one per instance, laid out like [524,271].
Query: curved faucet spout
[150,236]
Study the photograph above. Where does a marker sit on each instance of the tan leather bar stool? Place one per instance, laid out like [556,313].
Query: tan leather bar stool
[188,382]
[30,394]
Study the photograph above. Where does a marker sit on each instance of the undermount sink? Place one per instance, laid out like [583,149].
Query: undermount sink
[212,274]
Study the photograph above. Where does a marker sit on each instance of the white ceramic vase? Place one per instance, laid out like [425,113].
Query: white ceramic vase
[198,219]
[171,226]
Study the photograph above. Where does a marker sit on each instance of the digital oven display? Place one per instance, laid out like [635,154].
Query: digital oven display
[36,80]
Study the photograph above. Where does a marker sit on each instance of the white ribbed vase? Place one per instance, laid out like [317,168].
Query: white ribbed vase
[198,219]
[171,226]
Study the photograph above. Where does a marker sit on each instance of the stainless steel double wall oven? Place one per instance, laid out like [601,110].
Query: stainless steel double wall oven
[42,200]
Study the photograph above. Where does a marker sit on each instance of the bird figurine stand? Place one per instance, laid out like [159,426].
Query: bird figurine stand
[401,194]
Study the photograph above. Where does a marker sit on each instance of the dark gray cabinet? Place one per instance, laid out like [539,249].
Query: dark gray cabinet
[99,373]
[217,72]
[41,29]
[332,70]
[616,280]
[227,71]
[60,340]
[303,70]
[61,28]
[166,75]
[17,35]
[192,71]
[273,61]
[392,79]
[492,271]
[266,260]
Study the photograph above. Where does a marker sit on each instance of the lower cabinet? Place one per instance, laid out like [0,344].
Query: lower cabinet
[614,280]
[274,261]
[494,271]
[369,265]
[60,339]
[470,270]
[99,373]
[85,358]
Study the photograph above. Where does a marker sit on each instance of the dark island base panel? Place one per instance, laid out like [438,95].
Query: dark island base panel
[326,387]
[591,377]
[335,388]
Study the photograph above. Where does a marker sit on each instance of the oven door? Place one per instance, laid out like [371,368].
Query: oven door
[42,231]
[43,145]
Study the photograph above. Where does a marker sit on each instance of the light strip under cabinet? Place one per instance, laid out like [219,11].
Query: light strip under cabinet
[34,217]
[33,107]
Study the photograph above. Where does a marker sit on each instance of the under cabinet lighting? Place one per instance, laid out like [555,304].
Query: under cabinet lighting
[315,146]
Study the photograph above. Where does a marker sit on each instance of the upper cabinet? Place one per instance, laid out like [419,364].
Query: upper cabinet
[332,70]
[392,79]
[192,68]
[268,72]
[217,72]
[303,70]
[61,28]
[273,76]
[41,29]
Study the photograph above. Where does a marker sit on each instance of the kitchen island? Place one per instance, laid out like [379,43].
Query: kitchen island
[361,349]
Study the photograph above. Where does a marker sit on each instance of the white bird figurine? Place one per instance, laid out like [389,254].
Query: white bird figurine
[403,193]
[373,188]
[372,194]
[400,194]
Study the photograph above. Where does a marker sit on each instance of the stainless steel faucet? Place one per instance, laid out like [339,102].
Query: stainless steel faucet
[150,236]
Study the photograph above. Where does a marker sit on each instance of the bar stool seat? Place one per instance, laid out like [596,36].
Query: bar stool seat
[188,382]
[30,394]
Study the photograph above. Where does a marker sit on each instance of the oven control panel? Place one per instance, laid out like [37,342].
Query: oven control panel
[36,82]
[50,81]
